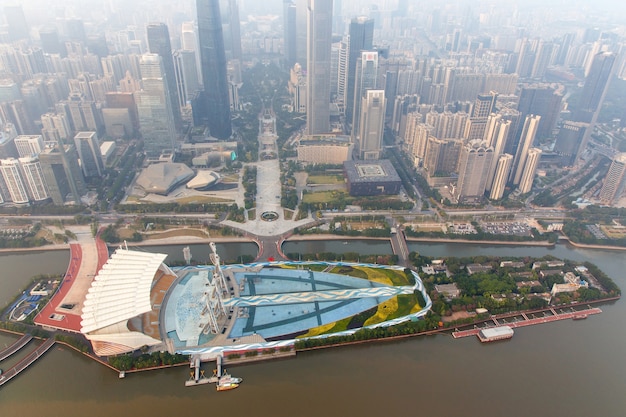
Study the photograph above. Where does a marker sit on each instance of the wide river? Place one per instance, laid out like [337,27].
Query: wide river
[567,368]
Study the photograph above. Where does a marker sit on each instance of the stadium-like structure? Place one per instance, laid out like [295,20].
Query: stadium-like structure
[137,301]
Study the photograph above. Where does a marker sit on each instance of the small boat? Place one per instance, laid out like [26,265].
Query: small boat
[226,386]
[579,317]
[227,382]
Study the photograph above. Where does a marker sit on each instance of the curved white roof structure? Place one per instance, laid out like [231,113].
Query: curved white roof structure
[162,178]
[120,290]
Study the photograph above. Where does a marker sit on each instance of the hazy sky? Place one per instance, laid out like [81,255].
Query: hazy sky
[38,12]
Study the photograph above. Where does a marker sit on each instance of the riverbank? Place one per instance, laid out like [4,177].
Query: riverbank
[450,327]
[482,242]
[191,240]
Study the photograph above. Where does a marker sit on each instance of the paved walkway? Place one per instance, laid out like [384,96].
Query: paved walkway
[269,187]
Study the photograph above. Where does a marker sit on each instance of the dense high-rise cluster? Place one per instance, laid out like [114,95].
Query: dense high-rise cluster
[452,90]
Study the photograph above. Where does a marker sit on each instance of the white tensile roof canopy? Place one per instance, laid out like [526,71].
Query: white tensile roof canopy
[120,290]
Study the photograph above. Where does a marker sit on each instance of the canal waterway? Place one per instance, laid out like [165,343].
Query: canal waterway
[568,368]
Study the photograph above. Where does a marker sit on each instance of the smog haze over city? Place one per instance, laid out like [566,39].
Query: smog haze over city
[366,169]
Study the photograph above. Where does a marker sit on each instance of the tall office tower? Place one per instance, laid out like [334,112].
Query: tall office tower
[530,167]
[33,178]
[569,140]
[613,185]
[62,174]
[366,75]
[55,128]
[484,105]
[33,96]
[8,134]
[542,100]
[596,86]
[297,89]
[442,156]
[474,163]
[28,145]
[234,84]
[543,58]
[301,32]
[214,73]
[189,39]
[319,40]
[81,113]
[10,169]
[186,74]
[189,42]
[371,125]
[338,27]
[447,124]
[16,113]
[129,84]
[154,107]
[50,43]
[229,10]
[17,27]
[342,74]
[361,32]
[496,137]
[89,153]
[159,43]
[525,59]
[529,131]
[403,106]
[416,136]
[513,116]
[503,168]
[75,30]
[289,32]
[564,48]
[475,128]
[115,67]
[9,90]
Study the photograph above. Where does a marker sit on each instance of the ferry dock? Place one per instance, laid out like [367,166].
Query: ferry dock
[523,319]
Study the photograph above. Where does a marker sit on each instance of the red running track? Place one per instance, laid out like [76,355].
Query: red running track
[69,322]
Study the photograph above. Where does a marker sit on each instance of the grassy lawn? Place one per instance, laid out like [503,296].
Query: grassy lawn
[348,270]
[386,310]
[288,214]
[325,196]
[252,214]
[125,232]
[398,306]
[325,179]
[338,326]
[234,177]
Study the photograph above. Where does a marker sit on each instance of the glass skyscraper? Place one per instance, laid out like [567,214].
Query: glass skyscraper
[214,75]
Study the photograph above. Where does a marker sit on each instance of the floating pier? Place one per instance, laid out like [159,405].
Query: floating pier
[526,321]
